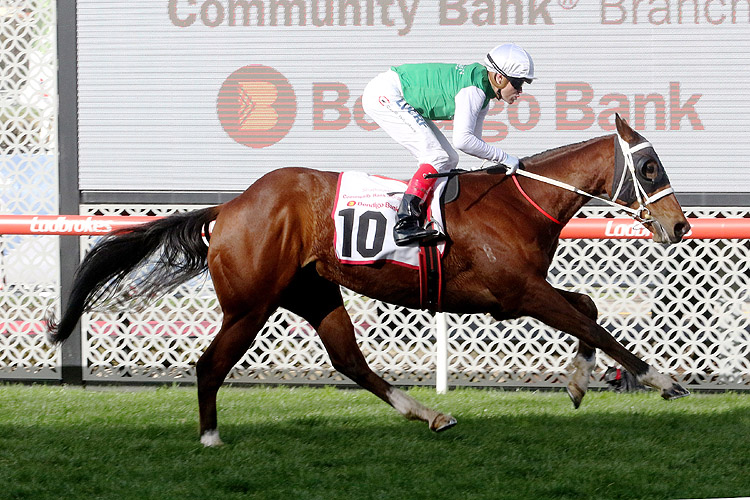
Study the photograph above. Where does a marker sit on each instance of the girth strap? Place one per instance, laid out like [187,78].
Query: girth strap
[430,277]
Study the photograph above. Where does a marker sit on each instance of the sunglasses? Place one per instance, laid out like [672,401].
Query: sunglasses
[516,83]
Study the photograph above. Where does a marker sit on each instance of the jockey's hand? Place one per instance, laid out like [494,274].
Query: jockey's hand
[511,164]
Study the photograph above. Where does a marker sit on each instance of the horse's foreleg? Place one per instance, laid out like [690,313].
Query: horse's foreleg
[549,306]
[584,361]
[323,307]
[337,334]
[225,351]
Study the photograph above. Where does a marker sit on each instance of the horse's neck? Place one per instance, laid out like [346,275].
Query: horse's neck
[587,166]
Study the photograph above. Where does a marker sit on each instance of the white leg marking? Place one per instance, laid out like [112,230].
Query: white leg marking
[211,439]
[582,371]
[414,410]
[656,380]
[405,405]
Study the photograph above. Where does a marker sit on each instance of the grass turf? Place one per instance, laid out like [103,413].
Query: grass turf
[307,443]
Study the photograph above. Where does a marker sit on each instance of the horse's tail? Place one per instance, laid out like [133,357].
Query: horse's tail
[173,248]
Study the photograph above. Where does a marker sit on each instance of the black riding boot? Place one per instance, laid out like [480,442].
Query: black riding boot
[408,227]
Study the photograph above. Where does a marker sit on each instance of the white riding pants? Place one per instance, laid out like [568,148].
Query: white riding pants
[383,101]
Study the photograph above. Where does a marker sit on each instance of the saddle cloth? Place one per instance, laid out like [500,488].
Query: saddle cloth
[365,213]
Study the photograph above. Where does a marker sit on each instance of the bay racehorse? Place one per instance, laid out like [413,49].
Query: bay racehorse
[272,246]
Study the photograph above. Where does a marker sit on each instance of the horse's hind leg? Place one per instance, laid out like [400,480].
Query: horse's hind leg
[230,344]
[584,361]
[319,302]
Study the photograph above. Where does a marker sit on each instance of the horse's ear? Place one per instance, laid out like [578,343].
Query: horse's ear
[624,129]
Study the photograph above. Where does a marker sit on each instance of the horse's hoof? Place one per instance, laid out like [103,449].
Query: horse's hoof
[675,392]
[211,439]
[443,423]
[576,395]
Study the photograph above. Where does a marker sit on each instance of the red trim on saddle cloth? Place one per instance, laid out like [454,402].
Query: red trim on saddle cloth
[430,258]
[418,185]
[528,198]
[430,278]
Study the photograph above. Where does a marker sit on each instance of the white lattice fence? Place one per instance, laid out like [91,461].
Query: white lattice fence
[28,184]
[683,308]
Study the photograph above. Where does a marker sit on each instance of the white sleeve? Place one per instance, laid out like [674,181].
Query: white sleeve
[480,121]
[467,126]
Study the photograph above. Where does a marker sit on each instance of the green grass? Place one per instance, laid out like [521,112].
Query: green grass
[302,443]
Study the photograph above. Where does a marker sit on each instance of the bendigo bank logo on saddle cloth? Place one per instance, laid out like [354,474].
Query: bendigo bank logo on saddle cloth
[365,212]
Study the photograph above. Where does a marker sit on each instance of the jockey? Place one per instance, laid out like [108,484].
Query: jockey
[405,99]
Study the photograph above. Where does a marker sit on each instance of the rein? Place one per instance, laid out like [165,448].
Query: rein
[528,198]
[641,214]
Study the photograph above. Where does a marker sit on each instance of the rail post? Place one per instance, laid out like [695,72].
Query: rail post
[67,77]
[441,353]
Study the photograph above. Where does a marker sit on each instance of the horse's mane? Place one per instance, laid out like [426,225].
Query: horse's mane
[546,157]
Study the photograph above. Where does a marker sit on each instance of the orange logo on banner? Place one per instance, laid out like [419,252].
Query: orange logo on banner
[256,106]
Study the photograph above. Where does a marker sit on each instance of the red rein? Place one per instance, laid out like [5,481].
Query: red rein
[520,190]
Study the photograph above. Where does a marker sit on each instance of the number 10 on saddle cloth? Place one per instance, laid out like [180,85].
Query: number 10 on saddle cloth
[365,213]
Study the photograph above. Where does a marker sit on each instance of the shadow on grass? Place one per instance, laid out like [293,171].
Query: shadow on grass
[584,455]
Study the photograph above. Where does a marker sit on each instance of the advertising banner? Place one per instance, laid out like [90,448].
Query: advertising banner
[210,94]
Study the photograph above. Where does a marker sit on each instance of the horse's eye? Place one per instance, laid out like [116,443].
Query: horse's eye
[648,169]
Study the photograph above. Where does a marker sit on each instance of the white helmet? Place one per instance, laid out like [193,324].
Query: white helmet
[511,61]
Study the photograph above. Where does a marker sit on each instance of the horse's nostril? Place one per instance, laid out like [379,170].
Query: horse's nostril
[681,228]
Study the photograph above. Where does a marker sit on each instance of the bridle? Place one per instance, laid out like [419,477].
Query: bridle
[641,213]
[643,199]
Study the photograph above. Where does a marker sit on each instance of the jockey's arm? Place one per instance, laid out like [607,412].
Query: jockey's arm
[467,126]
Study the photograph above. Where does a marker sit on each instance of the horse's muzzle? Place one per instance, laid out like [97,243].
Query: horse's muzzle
[662,235]
[680,230]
